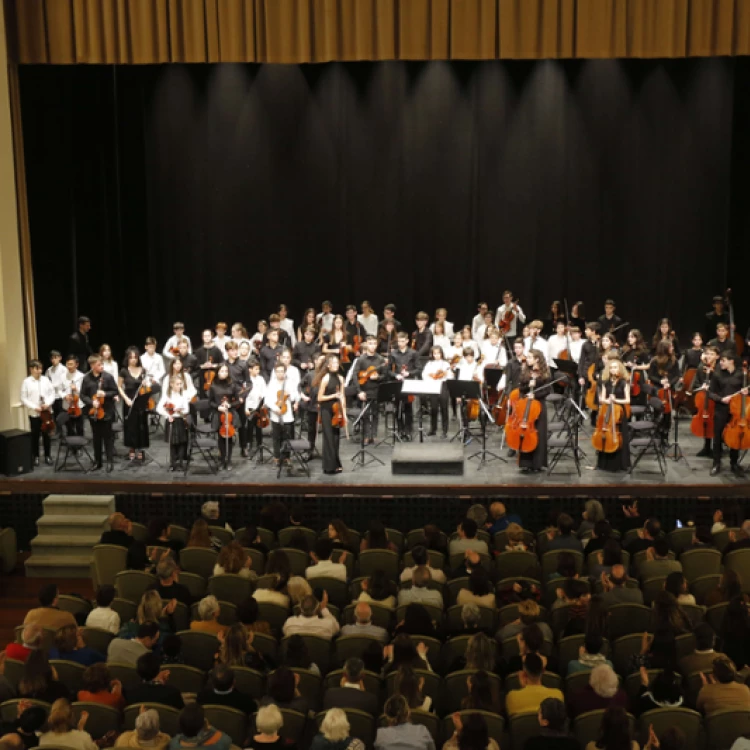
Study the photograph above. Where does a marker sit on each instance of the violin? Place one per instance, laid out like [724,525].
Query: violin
[209,376]
[174,351]
[357,345]
[344,354]
[338,418]
[455,360]
[702,423]
[635,383]
[97,412]
[48,421]
[226,422]
[144,390]
[364,375]
[508,317]
[520,430]
[737,433]
[281,401]
[439,375]
[74,410]
[607,437]
[665,396]
[262,418]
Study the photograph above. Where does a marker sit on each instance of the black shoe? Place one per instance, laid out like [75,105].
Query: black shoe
[97,467]
[704,453]
[110,467]
[526,470]
[48,461]
[715,469]
[511,453]
[432,433]
[244,453]
[172,468]
[36,461]
[737,470]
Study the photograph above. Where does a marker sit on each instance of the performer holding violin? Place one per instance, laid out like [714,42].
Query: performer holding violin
[370,369]
[98,391]
[724,387]
[611,439]
[223,398]
[71,391]
[664,375]
[665,332]
[508,315]
[137,396]
[208,357]
[308,400]
[240,376]
[175,408]
[609,321]
[531,432]
[332,402]
[336,340]
[636,360]
[421,339]
[282,402]
[255,411]
[438,369]
[404,364]
[306,351]
[38,396]
[702,424]
[355,331]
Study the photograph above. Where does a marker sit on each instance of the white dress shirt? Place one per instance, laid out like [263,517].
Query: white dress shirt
[272,388]
[519,316]
[493,353]
[180,402]
[325,320]
[434,366]
[153,365]
[287,324]
[476,322]
[257,392]
[104,618]
[56,376]
[174,341]
[369,323]
[575,350]
[539,344]
[33,391]
[326,569]
[452,352]
[444,342]
[71,381]
[221,343]
[447,328]
[324,626]
[466,371]
[188,387]
[112,369]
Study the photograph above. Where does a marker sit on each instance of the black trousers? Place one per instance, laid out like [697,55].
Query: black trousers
[311,427]
[101,431]
[35,424]
[372,418]
[721,419]
[281,431]
[74,426]
[331,439]
[225,449]
[243,429]
[440,401]
[254,433]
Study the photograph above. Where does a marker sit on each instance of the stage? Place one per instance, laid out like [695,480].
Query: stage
[684,478]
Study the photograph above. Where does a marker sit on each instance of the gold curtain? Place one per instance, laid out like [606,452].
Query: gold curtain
[300,31]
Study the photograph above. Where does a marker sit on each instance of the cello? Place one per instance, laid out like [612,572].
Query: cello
[737,432]
[520,430]
[607,437]
[702,423]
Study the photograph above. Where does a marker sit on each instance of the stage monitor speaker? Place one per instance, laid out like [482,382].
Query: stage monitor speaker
[15,452]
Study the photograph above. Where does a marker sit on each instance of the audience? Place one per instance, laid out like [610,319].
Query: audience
[335,733]
[196,733]
[589,655]
[47,614]
[158,535]
[403,652]
[658,563]
[146,735]
[721,690]
[735,632]
[482,694]
[268,721]
[421,559]
[150,609]
[168,585]
[467,539]
[615,732]
[532,691]
[480,590]
[552,735]
[70,646]
[592,514]
[31,640]
[399,732]
[419,593]
[236,649]
[729,587]
[702,659]
[377,538]
[200,536]
[602,691]
[39,680]
[664,691]
[616,590]
[563,537]
[120,531]
[103,616]
[248,612]
[378,589]
[528,613]
[363,624]
[234,559]
[128,651]
[97,686]
[352,692]
[297,656]
[677,585]
[499,520]
[471,733]
[324,566]
[282,689]
[314,618]
[222,691]
[154,687]
[27,725]
[62,729]
[411,685]
[208,611]
[341,537]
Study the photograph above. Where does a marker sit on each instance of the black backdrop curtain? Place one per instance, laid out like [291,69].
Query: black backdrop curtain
[215,192]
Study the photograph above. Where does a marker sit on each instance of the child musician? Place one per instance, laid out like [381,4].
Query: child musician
[239,374]
[468,369]
[615,389]
[171,348]
[694,355]
[438,369]
[368,391]
[153,363]
[72,395]
[223,400]
[441,315]
[421,339]
[308,394]
[330,387]
[492,350]
[701,382]
[38,396]
[98,392]
[282,402]
[253,402]
[56,375]
[404,364]
[533,377]
[175,408]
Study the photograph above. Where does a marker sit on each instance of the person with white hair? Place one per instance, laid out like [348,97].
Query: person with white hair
[334,733]
[208,611]
[313,619]
[146,735]
[268,721]
[602,692]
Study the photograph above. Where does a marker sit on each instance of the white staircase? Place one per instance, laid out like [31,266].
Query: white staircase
[69,528]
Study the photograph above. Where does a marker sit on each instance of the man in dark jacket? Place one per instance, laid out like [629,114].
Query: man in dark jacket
[352,693]
[153,689]
[222,692]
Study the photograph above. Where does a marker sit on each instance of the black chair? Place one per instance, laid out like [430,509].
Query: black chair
[72,444]
[646,438]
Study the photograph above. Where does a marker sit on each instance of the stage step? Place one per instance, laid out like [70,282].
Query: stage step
[68,530]
[428,458]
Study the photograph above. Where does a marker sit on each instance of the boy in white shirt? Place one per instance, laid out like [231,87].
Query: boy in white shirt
[324,567]
[325,318]
[478,320]
[492,349]
[556,344]
[438,369]
[252,404]
[72,395]
[440,316]
[56,375]
[153,363]
[287,324]
[368,319]
[293,376]
[576,344]
[103,616]
[38,396]
[534,340]
[281,424]
[171,348]
[221,338]
[509,305]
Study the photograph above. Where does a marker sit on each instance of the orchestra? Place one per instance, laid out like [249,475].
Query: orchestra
[317,378]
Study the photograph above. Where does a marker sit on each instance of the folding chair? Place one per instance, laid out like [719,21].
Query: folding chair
[292,450]
[73,445]
[198,560]
[202,442]
[229,720]
[646,438]
[230,587]
[700,562]
[109,560]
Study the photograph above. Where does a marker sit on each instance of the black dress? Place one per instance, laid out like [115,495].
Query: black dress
[619,460]
[638,358]
[537,459]
[331,434]
[135,433]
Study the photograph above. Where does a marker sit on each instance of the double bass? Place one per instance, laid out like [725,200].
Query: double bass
[737,432]
[702,423]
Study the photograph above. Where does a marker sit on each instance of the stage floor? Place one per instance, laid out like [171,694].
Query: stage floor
[682,479]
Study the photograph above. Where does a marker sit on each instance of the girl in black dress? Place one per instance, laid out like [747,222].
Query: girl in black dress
[664,374]
[636,360]
[665,332]
[535,375]
[135,406]
[337,341]
[616,389]
[330,387]
[223,399]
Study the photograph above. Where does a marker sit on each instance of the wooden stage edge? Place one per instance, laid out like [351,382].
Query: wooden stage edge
[301,488]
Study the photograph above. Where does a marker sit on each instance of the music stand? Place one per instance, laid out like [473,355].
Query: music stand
[492,376]
[429,387]
[463,390]
[363,457]
[388,393]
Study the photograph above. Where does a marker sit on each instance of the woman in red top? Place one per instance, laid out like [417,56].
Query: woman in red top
[99,687]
